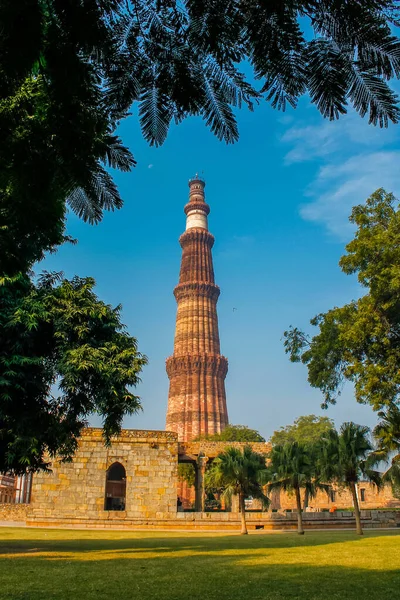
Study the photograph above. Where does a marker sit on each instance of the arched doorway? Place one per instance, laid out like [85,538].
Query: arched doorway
[115,487]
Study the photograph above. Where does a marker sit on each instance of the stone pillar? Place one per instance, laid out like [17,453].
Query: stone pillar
[200,472]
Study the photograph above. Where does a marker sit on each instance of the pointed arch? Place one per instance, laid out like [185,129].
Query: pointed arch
[115,495]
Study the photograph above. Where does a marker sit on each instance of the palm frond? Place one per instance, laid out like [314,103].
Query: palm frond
[122,88]
[286,80]
[363,36]
[105,190]
[276,45]
[291,466]
[369,93]
[387,431]
[237,472]
[83,207]
[232,84]
[374,477]
[392,474]
[217,112]
[118,156]
[383,56]
[100,193]
[155,114]
[327,78]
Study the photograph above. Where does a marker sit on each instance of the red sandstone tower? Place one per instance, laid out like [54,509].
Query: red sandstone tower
[197,370]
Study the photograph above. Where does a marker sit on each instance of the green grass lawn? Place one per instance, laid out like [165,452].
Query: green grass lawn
[48,564]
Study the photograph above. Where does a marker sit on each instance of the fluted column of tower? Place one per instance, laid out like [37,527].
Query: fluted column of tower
[197,370]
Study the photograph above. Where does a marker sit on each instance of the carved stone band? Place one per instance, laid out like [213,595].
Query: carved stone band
[194,290]
[197,234]
[197,363]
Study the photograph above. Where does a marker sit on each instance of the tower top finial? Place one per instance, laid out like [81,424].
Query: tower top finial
[197,179]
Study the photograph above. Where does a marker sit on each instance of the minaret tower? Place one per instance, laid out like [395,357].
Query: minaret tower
[197,370]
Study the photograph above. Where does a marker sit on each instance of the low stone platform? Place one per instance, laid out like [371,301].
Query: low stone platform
[229,521]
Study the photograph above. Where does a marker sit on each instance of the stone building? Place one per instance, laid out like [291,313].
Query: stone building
[196,370]
[131,481]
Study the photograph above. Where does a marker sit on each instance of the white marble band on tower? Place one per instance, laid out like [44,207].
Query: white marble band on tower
[196,218]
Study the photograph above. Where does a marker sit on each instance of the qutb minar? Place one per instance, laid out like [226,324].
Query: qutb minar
[196,370]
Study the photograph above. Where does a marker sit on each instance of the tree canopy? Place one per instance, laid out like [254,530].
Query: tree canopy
[307,430]
[70,71]
[360,341]
[58,132]
[64,354]
[187,473]
[235,433]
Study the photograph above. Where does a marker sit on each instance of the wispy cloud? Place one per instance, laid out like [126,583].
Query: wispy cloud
[353,158]
[150,166]
[338,187]
[330,137]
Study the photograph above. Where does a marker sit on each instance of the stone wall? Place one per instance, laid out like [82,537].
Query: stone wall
[373,498]
[13,513]
[76,490]
[212,449]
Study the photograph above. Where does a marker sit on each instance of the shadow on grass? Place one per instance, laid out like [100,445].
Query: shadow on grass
[174,543]
[197,578]
[221,568]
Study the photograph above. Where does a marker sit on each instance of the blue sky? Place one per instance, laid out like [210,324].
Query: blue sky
[280,200]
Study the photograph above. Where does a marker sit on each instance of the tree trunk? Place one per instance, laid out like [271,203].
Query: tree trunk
[300,529]
[356,508]
[242,508]
[306,499]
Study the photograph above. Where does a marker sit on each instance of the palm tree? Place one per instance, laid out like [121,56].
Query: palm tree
[239,473]
[387,434]
[347,457]
[315,483]
[292,468]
